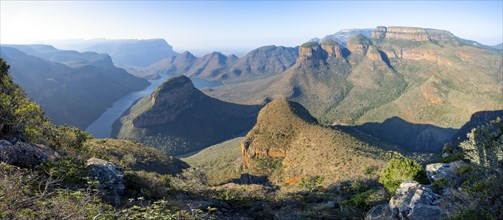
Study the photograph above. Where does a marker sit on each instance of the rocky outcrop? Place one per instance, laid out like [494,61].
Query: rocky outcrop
[110,178]
[412,34]
[447,172]
[25,155]
[412,201]
[310,54]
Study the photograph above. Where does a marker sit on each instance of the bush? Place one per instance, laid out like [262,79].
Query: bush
[401,170]
[311,183]
[484,145]
[190,180]
[145,184]
[19,116]
[69,138]
[69,170]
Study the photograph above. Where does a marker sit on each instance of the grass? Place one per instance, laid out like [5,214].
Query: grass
[221,162]
[310,44]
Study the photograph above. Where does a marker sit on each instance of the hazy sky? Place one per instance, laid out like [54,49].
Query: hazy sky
[221,25]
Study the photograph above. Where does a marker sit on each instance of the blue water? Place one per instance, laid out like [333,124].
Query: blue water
[102,127]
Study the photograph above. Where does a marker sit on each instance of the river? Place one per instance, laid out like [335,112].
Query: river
[102,127]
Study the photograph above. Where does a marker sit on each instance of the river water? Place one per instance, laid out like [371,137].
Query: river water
[102,127]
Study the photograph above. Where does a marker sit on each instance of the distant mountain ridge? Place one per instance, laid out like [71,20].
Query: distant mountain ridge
[343,36]
[259,63]
[127,53]
[73,88]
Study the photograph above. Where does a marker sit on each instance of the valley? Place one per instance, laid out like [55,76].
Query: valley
[116,114]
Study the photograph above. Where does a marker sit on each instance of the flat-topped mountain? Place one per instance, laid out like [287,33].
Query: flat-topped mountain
[287,144]
[423,76]
[343,36]
[177,118]
[73,88]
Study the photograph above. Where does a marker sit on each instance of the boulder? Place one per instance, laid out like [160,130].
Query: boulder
[412,201]
[447,171]
[379,212]
[110,178]
[25,155]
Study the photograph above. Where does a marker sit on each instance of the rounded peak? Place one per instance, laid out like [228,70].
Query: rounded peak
[283,111]
[329,42]
[359,39]
[176,82]
[309,44]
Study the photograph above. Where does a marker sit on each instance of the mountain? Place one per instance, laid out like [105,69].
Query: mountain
[344,35]
[177,118]
[423,76]
[259,63]
[410,137]
[73,88]
[477,119]
[287,145]
[127,53]
[499,46]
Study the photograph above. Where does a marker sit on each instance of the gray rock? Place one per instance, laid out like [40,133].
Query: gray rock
[110,178]
[25,155]
[412,201]
[379,212]
[326,205]
[447,171]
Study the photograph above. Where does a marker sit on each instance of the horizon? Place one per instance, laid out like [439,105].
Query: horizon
[204,26]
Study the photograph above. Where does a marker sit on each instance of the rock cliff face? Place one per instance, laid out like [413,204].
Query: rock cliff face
[177,118]
[412,34]
[287,144]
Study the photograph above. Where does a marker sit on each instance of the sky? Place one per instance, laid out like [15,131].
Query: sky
[239,25]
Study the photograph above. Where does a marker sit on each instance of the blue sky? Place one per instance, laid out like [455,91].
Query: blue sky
[242,25]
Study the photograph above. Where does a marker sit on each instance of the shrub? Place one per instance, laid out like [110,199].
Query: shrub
[364,200]
[400,170]
[69,138]
[145,184]
[311,183]
[19,116]
[69,170]
[484,145]
[190,180]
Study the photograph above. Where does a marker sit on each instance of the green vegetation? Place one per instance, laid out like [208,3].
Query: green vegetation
[401,170]
[19,117]
[330,42]
[310,44]
[484,145]
[311,183]
[222,162]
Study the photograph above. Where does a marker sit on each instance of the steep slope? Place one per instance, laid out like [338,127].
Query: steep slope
[177,118]
[73,88]
[423,76]
[287,144]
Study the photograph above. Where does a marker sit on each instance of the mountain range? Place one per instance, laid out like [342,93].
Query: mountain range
[420,75]
[259,63]
[125,53]
[72,87]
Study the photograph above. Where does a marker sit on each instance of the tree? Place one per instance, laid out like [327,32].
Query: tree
[19,117]
[401,170]
[484,145]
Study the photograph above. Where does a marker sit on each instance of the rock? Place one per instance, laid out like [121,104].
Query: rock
[310,56]
[379,212]
[110,178]
[412,34]
[416,201]
[447,171]
[327,205]
[25,155]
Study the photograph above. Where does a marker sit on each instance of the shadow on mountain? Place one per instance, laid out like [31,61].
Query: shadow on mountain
[408,136]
